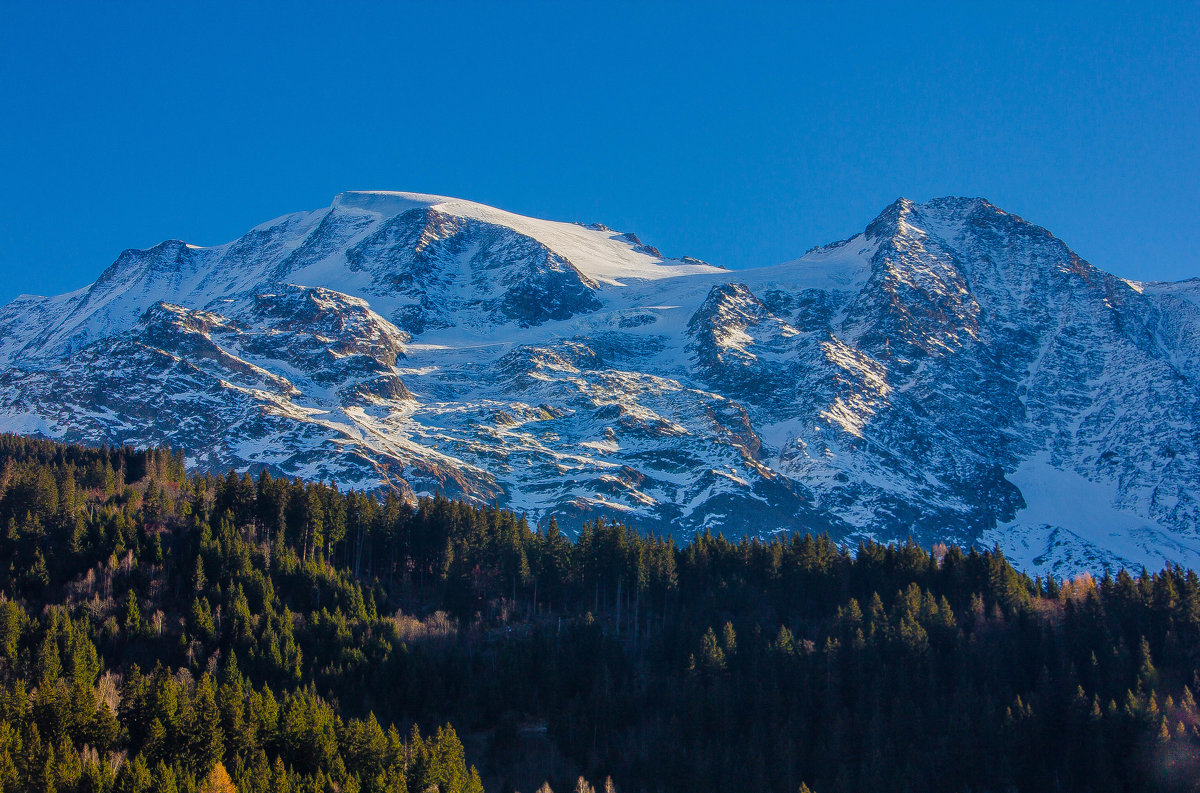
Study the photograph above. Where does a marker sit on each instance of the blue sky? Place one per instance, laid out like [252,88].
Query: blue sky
[742,133]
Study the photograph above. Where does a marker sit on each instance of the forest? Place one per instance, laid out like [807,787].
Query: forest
[165,630]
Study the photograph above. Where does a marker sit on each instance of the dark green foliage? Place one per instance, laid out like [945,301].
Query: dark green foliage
[114,563]
[159,630]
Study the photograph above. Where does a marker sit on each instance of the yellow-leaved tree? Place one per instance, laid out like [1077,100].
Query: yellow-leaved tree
[217,781]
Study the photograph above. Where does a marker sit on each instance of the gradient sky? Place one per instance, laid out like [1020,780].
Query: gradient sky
[743,134]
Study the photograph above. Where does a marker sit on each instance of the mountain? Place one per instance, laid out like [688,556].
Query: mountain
[952,373]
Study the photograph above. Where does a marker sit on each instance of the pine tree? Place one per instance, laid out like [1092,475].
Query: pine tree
[131,618]
[199,579]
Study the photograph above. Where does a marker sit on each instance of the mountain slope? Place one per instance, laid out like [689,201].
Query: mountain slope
[952,373]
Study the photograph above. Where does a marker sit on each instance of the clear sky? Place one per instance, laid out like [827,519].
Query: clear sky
[742,133]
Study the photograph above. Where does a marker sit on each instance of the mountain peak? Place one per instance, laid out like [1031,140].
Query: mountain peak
[887,223]
[388,203]
[944,208]
[959,204]
[602,254]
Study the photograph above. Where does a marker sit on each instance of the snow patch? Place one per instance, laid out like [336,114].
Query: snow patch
[1063,507]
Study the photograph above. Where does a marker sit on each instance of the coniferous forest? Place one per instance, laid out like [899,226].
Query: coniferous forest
[167,631]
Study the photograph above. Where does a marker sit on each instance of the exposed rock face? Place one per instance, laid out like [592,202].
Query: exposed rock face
[952,373]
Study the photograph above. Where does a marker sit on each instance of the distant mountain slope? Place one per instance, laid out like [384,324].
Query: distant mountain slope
[952,373]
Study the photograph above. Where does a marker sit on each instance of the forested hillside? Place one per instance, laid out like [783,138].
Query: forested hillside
[162,631]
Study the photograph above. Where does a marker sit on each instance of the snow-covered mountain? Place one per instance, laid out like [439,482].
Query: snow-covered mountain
[951,373]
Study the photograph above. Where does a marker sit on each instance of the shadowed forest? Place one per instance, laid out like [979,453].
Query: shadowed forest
[162,630]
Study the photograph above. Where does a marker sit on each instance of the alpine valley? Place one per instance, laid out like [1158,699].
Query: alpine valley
[952,373]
